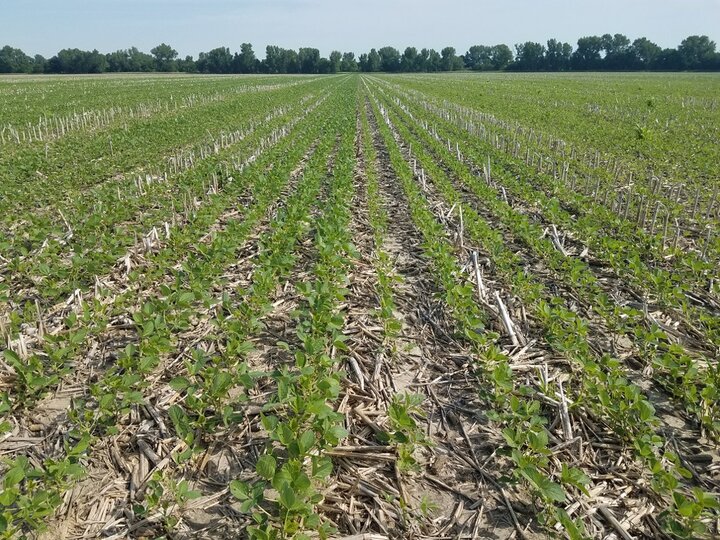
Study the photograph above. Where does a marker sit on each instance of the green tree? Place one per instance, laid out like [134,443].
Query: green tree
[118,61]
[309,60]
[557,55]
[450,60]
[422,59]
[669,60]
[187,65]
[94,62]
[274,59]
[500,56]
[245,62]
[14,61]
[587,55]
[433,61]
[165,57]
[39,64]
[77,61]
[323,66]
[218,60]
[409,60]
[614,45]
[529,56]
[139,61]
[697,52]
[291,61]
[646,53]
[335,60]
[348,63]
[373,60]
[389,59]
[279,60]
[477,58]
[129,60]
[619,54]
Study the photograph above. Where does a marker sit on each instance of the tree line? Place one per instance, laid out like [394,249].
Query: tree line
[592,53]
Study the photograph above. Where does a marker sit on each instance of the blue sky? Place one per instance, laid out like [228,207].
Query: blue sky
[191,26]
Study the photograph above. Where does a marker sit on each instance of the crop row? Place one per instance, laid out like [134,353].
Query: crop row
[120,388]
[86,249]
[50,128]
[38,177]
[520,417]
[687,378]
[662,215]
[603,386]
[654,127]
[49,350]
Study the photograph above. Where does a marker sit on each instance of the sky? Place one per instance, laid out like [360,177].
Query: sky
[190,26]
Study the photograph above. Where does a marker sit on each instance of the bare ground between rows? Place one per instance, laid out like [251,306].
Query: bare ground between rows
[121,463]
[670,320]
[615,286]
[26,288]
[102,350]
[700,297]
[126,463]
[464,497]
[570,208]
[620,483]
[678,426]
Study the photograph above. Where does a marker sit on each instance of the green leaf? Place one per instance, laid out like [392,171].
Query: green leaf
[80,447]
[547,488]
[269,422]
[282,477]
[181,421]
[14,476]
[321,467]
[538,440]
[336,434]
[510,437]
[306,441]
[106,401]
[285,434]
[685,473]
[8,497]
[12,358]
[686,510]
[265,466]
[575,477]
[78,337]
[179,384]
[133,397]
[319,408]
[287,497]
[240,490]
[247,504]
[646,410]
[572,529]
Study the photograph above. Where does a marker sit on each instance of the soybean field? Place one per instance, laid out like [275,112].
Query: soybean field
[360,307]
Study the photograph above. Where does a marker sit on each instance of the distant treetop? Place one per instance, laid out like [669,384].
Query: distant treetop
[592,53]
